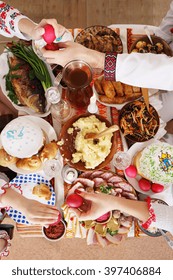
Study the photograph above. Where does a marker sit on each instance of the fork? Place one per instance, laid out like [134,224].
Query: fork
[58,79]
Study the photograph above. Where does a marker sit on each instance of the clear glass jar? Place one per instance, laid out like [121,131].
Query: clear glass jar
[77,75]
[60,109]
[121,160]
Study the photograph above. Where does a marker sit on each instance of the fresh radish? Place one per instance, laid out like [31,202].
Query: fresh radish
[144,184]
[49,35]
[157,188]
[131,171]
[74,200]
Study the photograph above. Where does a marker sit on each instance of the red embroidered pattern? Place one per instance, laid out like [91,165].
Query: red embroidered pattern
[152,217]
[110,66]
[5,10]
[6,186]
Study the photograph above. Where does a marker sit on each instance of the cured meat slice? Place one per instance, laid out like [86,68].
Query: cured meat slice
[124,186]
[115,179]
[85,182]
[115,239]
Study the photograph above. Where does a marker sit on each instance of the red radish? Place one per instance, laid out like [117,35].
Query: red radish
[52,47]
[49,35]
[74,200]
[103,218]
[157,187]
[131,171]
[144,184]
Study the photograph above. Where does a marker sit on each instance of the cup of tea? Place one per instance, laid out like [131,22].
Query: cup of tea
[77,75]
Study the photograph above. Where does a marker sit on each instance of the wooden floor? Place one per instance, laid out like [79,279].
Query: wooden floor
[83,13]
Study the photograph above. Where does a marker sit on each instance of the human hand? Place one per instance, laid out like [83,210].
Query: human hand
[70,51]
[99,205]
[38,30]
[38,213]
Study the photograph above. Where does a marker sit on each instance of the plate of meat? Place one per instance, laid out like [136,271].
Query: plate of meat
[116,228]
[100,38]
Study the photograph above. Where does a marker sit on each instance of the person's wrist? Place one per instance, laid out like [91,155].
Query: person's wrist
[95,59]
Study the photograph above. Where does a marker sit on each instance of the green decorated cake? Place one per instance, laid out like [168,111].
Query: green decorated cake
[155,162]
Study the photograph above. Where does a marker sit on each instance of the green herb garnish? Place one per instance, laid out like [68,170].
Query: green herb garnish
[112,232]
[105,189]
[26,53]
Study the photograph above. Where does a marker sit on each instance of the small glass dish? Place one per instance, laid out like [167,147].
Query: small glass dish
[121,160]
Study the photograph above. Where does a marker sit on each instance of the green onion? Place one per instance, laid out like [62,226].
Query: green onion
[26,53]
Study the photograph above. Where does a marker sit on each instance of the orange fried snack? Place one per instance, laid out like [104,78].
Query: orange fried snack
[108,88]
[118,88]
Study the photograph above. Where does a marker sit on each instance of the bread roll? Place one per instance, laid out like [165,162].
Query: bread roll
[6,159]
[136,162]
[32,164]
[49,151]
[42,190]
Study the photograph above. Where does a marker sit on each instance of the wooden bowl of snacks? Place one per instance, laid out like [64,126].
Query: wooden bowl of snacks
[100,38]
[86,154]
[113,93]
[136,123]
[143,45]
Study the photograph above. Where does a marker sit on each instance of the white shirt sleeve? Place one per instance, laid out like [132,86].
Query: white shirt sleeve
[9,18]
[145,70]
[165,26]
[164,217]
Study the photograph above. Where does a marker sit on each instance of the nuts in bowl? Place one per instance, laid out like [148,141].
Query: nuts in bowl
[82,153]
[137,123]
[115,94]
[143,45]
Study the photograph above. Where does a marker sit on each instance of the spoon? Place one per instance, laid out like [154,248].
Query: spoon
[148,34]
[108,130]
[146,97]
[167,239]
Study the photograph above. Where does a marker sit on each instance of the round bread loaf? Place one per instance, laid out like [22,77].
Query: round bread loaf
[22,138]
[155,162]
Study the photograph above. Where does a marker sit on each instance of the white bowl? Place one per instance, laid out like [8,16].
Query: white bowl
[54,239]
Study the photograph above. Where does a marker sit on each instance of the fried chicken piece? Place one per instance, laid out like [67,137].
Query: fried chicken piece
[108,88]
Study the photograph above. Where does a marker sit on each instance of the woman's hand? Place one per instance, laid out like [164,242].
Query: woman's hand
[99,205]
[70,50]
[35,212]
[36,31]
[38,213]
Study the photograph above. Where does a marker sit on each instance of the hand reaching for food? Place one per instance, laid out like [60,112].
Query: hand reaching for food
[38,213]
[98,206]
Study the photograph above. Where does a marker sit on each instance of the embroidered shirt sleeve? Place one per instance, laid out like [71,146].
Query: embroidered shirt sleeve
[110,66]
[9,18]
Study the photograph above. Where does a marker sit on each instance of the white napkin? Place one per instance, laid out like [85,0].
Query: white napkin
[158,104]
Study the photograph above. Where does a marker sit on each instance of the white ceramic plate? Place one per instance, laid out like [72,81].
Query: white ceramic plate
[26,183]
[134,181]
[119,106]
[4,70]
[51,135]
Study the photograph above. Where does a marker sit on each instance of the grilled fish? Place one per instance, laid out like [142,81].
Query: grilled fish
[28,90]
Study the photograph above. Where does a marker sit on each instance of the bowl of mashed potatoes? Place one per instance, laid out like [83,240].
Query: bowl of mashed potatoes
[87,154]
